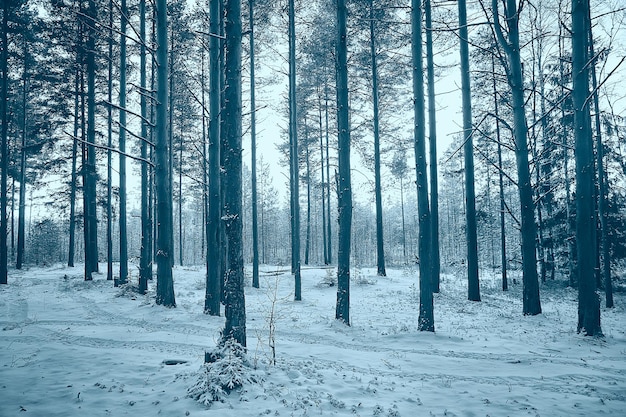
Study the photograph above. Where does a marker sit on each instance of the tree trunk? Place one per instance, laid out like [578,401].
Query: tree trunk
[293,157]
[323,185]
[380,250]
[223,245]
[122,146]
[170,136]
[426,321]
[205,155]
[165,282]
[235,305]
[180,191]
[473,287]
[432,140]
[109,225]
[4,148]
[145,259]
[89,168]
[531,301]
[602,184]
[21,220]
[344,190]
[403,221]
[307,246]
[329,233]
[72,231]
[588,303]
[505,281]
[214,279]
[255,215]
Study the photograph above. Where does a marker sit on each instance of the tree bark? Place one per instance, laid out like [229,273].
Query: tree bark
[72,231]
[380,250]
[214,278]
[293,158]
[235,305]
[165,283]
[307,246]
[122,146]
[145,259]
[503,262]
[323,184]
[89,168]
[426,321]
[255,215]
[602,184]
[432,140]
[588,302]
[344,190]
[473,286]
[329,233]
[21,220]
[109,224]
[4,148]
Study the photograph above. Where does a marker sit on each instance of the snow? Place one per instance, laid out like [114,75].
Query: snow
[75,348]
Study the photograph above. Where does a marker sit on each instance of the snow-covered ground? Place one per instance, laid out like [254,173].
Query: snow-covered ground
[75,348]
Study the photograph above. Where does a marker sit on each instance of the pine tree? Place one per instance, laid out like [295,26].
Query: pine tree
[165,282]
[344,186]
[531,302]
[588,302]
[234,297]
[426,321]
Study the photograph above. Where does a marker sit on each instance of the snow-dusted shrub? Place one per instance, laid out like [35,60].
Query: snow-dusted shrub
[226,371]
[330,279]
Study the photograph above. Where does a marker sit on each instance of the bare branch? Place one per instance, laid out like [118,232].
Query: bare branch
[106,148]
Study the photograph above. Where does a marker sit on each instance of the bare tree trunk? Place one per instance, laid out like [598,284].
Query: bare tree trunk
[588,302]
[432,140]
[255,215]
[307,246]
[72,231]
[531,301]
[602,184]
[170,136]
[180,191]
[165,282]
[145,260]
[293,158]
[403,221]
[235,304]
[214,278]
[89,168]
[323,185]
[505,281]
[122,146]
[380,250]
[109,224]
[21,220]
[426,321]
[473,286]
[329,233]
[344,189]
[223,246]
[4,148]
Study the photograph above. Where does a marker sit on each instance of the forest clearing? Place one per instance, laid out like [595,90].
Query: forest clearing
[70,347]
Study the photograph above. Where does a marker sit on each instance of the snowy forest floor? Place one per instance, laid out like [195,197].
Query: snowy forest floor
[75,348]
